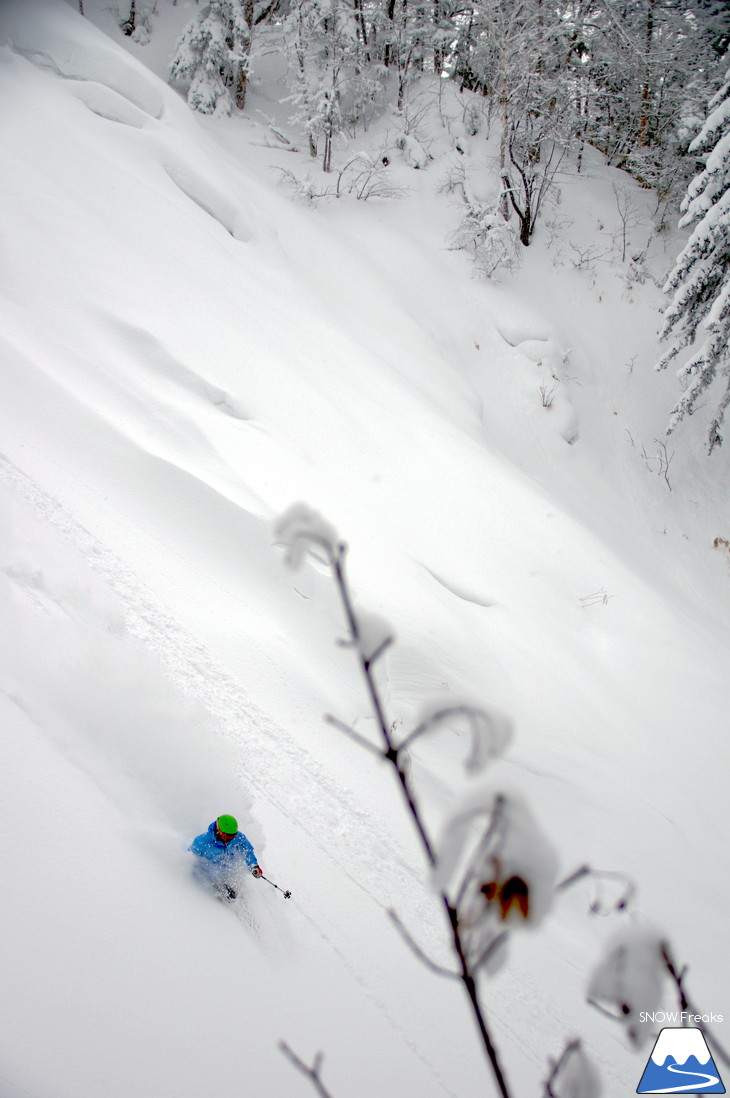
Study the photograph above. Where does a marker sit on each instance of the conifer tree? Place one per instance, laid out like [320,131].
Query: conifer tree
[212,57]
[699,313]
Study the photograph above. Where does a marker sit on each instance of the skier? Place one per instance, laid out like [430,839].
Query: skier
[221,851]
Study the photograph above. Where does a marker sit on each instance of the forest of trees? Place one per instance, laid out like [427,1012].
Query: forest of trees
[642,81]
[632,77]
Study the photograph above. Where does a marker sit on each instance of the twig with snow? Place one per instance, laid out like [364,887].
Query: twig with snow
[572,1075]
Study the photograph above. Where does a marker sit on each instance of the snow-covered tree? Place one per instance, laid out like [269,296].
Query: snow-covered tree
[211,60]
[323,46]
[699,313]
[630,78]
[649,69]
[523,58]
[714,16]
[137,24]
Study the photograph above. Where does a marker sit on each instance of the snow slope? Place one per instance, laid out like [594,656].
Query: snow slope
[185,352]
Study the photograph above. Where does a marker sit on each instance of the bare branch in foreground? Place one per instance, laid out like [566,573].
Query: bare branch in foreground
[618,1017]
[490,950]
[495,819]
[567,1052]
[572,1074]
[677,976]
[342,727]
[436,718]
[312,1073]
[380,650]
[393,754]
[600,876]
[416,949]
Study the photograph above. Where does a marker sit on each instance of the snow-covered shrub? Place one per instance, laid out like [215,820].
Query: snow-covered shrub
[414,154]
[482,232]
[490,240]
[304,188]
[366,177]
[363,177]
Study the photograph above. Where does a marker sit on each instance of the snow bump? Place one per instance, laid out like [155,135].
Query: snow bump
[109,104]
[211,200]
[74,49]
[109,70]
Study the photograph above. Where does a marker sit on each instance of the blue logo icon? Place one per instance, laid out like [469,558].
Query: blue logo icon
[680,1063]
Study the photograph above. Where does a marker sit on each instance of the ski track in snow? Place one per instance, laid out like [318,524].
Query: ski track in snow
[274,760]
[270,750]
[377,1002]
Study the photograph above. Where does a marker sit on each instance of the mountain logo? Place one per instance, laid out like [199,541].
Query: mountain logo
[680,1063]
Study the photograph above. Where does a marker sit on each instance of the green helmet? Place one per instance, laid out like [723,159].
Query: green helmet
[228,825]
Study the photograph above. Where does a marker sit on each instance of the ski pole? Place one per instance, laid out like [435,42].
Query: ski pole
[285,892]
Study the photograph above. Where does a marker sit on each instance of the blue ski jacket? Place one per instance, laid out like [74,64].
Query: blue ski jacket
[223,855]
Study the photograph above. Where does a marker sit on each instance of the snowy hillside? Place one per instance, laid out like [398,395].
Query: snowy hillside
[187,350]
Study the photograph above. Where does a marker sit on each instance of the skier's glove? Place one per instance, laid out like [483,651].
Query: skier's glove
[257,871]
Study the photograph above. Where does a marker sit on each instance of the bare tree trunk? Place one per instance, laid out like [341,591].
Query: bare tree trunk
[438,51]
[243,66]
[390,12]
[241,85]
[504,139]
[303,78]
[404,64]
[581,146]
[360,17]
[645,87]
[81,7]
[131,23]
[327,154]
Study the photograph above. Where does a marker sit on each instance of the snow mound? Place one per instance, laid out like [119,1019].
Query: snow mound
[210,198]
[109,104]
[75,50]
